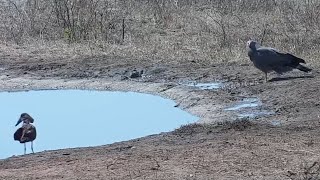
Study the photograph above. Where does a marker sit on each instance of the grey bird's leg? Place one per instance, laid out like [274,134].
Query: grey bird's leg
[266,76]
[25,149]
[32,146]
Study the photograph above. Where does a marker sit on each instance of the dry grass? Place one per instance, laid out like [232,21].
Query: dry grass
[203,31]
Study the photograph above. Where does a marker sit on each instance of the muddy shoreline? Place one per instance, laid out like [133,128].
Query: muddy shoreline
[191,99]
[248,150]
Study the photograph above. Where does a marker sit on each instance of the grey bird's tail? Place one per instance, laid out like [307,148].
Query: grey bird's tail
[295,59]
[295,63]
[303,68]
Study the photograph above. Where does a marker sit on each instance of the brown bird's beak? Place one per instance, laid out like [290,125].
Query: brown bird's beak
[19,121]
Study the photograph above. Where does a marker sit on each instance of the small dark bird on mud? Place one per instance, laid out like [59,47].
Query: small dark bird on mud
[268,59]
[27,132]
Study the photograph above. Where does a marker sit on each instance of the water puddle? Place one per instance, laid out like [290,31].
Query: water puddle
[276,122]
[76,118]
[254,113]
[204,86]
[249,108]
[245,103]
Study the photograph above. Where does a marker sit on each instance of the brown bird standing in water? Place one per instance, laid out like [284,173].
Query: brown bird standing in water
[27,132]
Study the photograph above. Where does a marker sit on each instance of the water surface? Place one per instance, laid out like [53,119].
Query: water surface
[249,108]
[204,86]
[77,118]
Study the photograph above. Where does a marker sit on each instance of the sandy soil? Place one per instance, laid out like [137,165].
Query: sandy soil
[253,149]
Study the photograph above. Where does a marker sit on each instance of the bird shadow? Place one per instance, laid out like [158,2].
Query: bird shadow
[289,78]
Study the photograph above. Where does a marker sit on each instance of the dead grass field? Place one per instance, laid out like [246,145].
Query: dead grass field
[207,32]
[79,45]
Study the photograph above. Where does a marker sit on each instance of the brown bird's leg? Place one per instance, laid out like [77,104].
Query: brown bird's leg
[25,149]
[22,136]
[32,146]
[23,132]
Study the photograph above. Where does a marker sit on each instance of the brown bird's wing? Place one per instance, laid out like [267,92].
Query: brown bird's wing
[17,135]
[29,135]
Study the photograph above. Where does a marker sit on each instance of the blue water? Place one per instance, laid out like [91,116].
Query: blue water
[77,118]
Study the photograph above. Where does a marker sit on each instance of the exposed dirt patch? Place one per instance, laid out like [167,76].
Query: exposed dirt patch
[225,150]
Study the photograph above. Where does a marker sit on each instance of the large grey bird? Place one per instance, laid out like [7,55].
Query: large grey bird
[268,59]
[27,132]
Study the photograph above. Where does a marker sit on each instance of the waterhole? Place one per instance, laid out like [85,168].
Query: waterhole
[78,118]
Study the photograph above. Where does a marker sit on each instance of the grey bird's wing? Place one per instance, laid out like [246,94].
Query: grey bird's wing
[268,59]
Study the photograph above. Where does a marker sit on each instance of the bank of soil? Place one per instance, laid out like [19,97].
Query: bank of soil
[227,149]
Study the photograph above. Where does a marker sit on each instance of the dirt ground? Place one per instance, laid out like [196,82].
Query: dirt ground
[219,147]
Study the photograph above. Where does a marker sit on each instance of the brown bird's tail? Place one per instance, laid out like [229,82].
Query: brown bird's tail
[303,68]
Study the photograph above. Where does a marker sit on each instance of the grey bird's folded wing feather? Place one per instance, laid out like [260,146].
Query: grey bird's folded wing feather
[269,58]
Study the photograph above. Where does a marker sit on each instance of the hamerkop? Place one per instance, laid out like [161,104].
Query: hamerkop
[27,132]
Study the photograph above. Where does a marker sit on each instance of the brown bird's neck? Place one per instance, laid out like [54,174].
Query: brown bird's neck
[25,123]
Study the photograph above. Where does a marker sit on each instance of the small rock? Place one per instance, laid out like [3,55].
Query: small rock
[136,74]
[124,78]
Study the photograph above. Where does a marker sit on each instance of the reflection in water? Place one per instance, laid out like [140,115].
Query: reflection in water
[75,118]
